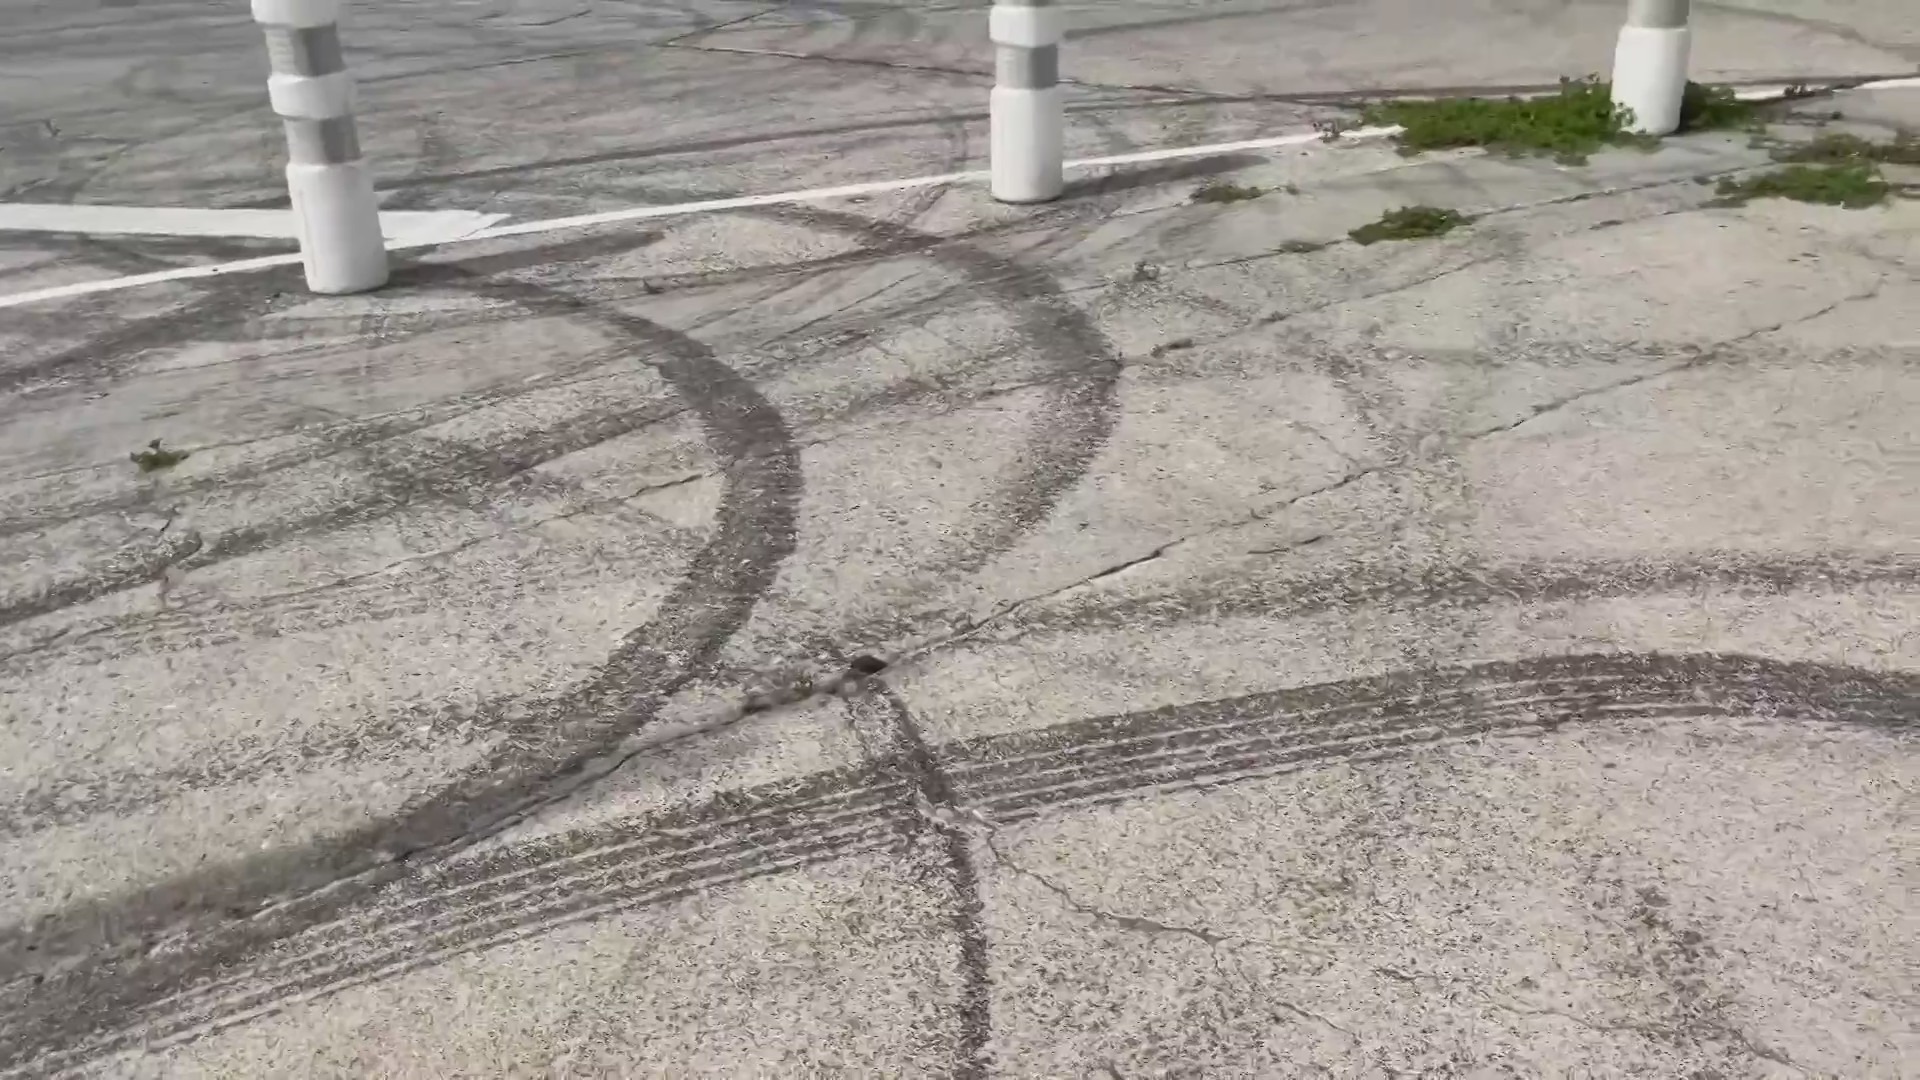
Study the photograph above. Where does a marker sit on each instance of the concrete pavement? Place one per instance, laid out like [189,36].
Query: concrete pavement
[1487,655]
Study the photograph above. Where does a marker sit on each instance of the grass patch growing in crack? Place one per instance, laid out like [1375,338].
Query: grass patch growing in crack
[1410,223]
[1568,125]
[1854,187]
[1226,191]
[1841,149]
[156,457]
[1834,169]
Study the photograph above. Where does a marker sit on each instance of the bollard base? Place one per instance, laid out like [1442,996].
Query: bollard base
[338,222]
[1027,145]
[1650,77]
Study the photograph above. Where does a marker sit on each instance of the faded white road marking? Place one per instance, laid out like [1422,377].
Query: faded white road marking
[843,191]
[399,226]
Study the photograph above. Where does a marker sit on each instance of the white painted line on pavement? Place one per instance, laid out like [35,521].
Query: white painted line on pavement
[738,202]
[843,191]
[399,226]
[877,187]
[1299,138]
[643,213]
[157,277]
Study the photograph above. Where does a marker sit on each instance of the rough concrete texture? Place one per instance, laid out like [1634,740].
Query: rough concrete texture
[1492,655]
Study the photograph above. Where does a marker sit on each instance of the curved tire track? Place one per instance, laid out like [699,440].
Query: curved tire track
[453,906]
[548,741]
[1354,586]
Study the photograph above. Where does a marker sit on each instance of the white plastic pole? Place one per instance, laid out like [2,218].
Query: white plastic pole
[1027,144]
[334,211]
[1650,65]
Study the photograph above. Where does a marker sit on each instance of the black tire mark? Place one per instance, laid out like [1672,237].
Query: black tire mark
[400,475]
[1079,408]
[1376,584]
[108,354]
[328,439]
[1055,330]
[730,838]
[551,740]
[926,786]
[104,1003]
[904,215]
[1373,587]
[1021,775]
[598,884]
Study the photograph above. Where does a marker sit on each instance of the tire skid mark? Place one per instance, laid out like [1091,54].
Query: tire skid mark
[1068,428]
[1079,410]
[327,441]
[449,814]
[403,587]
[400,475]
[484,929]
[1274,732]
[1383,584]
[1011,776]
[405,921]
[927,792]
[108,354]
[568,912]
[549,742]
[195,323]
[742,823]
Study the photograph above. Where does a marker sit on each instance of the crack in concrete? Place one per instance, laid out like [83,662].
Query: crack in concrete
[1141,924]
[1659,1031]
[1258,514]
[1309,1014]
[674,42]
[1136,923]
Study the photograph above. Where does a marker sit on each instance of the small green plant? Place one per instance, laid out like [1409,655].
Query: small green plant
[1841,149]
[1715,108]
[156,457]
[1854,187]
[1226,191]
[1300,247]
[1568,125]
[1409,223]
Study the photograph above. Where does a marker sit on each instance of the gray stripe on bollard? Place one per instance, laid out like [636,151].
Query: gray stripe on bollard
[314,51]
[1027,69]
[322,142]
[1657,14]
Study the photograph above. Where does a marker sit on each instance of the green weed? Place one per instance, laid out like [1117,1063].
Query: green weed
[155,457]
[1568,126]
[1855,187]
[1226,191]
[1409,223]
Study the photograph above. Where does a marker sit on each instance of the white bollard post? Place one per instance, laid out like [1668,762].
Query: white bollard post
[1650,64]
[1026,149]
[334,211]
